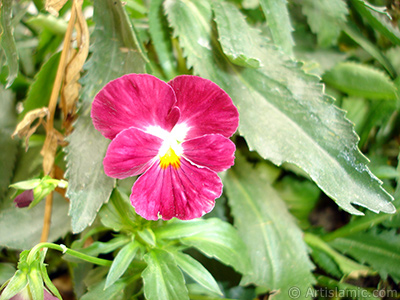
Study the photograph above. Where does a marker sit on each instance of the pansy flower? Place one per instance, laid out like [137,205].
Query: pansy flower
[175,133]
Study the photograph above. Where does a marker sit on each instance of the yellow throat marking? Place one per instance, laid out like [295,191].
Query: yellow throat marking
[170,158]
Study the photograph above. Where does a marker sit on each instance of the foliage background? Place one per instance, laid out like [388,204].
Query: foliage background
[315,81]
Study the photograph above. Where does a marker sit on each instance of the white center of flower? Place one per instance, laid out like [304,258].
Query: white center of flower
[171,148]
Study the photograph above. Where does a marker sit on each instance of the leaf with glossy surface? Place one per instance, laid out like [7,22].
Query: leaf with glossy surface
[380,251]
[213,237]
[121,263]
[237,53]
[279,24]
[197,271]
[115,53]
[361,80]
[8,42]
[278,254]
[303,126]
[324,18]
[162,278]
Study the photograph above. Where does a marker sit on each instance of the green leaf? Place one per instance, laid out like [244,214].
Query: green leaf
[16,284]
[347,267]
[114,292]
[118,213]
[354,33]
[279,24]
[26,233]
[105,247]
[162,278]
[197,271]
[303,126]
[35,281]
[88,186]
[300,197]
[213,237]
[7,271]
[236,52]
[147,236]
[8,146]
[48,283]
[158,29]
[7,41]
[115,53]
[380,251]
[361,80]
[380,20]
[121,263]
[278,253]
[40,90]
[324,18]
[346,290]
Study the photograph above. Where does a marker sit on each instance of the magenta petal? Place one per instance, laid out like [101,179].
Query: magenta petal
[205,107]
[131,153]
[186,192]
[134,100]
[213,151]
[24,199]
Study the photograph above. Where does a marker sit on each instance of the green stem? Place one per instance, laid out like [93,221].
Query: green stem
[64,249]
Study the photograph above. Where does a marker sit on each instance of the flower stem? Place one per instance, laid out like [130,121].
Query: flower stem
[64,249]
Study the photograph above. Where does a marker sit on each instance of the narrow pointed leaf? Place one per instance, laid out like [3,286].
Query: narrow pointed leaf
[196,270]
[361,80]
[324,18]
[162,278]
[284,114]
[49,284]
[354,33]
[355,292]
[379,20]
[213,237]
[8,42]
[115,53]
[278,254]
[382,251]
[278,21]
[121,263]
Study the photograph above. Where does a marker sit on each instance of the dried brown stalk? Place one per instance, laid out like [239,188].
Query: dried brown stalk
[71,87]
[26,127]
[69,67]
